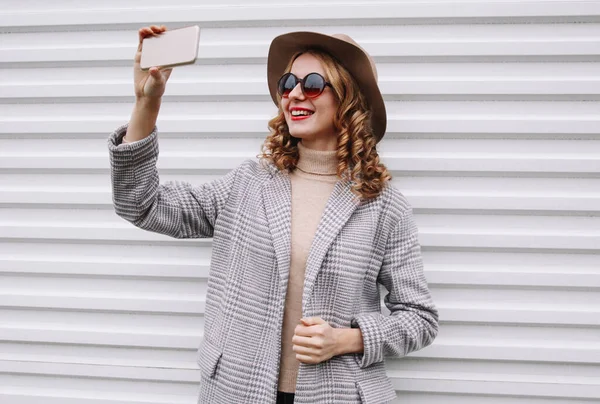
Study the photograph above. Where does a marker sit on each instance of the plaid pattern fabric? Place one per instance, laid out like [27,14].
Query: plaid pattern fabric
[247,212]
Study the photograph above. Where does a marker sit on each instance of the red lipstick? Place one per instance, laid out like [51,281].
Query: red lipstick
[300,117]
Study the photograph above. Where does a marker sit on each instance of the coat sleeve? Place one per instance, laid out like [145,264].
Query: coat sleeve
[177,209]
[413,321]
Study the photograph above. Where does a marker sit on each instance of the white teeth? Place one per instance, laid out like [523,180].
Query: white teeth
[299,112]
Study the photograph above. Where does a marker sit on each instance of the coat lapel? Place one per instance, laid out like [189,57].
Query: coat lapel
[340,206]
[277,196]
[278,205]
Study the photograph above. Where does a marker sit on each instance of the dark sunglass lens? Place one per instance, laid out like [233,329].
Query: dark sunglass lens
[314,85]
[287,84]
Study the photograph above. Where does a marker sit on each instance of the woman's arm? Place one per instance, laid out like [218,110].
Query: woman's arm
[143,120]
[149,87]
[177,209]
[349,340]
[413,322]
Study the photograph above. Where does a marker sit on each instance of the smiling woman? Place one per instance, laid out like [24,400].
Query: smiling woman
[301,240]
[326,116]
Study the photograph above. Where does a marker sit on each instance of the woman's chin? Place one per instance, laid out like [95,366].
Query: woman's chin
[301,134]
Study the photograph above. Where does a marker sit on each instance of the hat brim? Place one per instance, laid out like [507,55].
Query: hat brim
[353,58]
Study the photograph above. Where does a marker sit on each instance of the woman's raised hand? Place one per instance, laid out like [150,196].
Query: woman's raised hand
[149,84]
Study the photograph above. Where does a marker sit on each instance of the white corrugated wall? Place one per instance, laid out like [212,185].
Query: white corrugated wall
[493,135]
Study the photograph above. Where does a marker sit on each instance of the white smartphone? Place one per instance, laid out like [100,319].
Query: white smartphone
[171,48]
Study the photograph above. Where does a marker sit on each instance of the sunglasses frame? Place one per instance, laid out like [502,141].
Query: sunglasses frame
[302,83]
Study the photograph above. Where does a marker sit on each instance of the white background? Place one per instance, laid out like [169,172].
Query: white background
[493,135]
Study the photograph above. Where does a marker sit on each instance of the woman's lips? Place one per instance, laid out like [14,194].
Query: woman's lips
[300,117]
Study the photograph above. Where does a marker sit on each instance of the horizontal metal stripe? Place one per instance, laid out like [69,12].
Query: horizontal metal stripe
[103,287]
[76,250]
[88,327]
[480,348]
[185,359]
[449,313]
[430,200]
[428,237]
[431,223]
[467,383]
[61,355]
[61,110]
[112,233]
[179,374]
[538,203]
[99,337]
[104,302]
[552,315]
[255,125]
[465,375]
[437,274]
[390,72]
[82,228]
[423,397]
[122,322]
[35,395]
[29,395]
[506,239]
[521,352]
[259,91]
[492,385]
[473,162]
[257,51]
[497,277]
[292,12]
[107,267]
[392,146]
[422,186]
[531,370]
[441,348]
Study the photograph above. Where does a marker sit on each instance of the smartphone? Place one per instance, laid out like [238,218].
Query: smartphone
[171,48]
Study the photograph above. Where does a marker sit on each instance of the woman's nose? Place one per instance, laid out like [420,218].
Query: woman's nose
[297,92]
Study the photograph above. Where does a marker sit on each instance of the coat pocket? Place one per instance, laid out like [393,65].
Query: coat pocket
[373,384]
[208,357]
[380,392]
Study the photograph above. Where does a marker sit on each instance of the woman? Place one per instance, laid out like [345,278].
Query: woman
[301,239]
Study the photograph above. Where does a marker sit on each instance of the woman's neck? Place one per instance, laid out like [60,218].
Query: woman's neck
[323,143]
[319,162]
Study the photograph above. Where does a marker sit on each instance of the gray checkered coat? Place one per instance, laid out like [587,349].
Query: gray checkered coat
[247,212]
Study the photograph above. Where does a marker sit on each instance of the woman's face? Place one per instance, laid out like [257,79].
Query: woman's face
[316,130]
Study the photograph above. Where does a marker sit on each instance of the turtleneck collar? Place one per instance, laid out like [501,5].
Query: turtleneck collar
[318,162]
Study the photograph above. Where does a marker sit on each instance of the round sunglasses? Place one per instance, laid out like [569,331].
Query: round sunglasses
[312,85]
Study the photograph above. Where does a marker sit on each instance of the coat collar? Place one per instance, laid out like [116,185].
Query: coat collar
[278,201]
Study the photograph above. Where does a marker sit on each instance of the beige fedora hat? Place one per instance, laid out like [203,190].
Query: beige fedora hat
[343,48]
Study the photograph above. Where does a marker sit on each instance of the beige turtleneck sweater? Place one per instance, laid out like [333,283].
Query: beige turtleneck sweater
[310,193]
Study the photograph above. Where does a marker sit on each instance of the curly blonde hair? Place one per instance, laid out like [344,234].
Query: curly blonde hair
[358,160]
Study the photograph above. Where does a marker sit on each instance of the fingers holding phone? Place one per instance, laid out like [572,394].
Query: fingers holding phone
[149,83]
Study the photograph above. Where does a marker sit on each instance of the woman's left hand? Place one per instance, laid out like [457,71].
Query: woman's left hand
[315,341]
